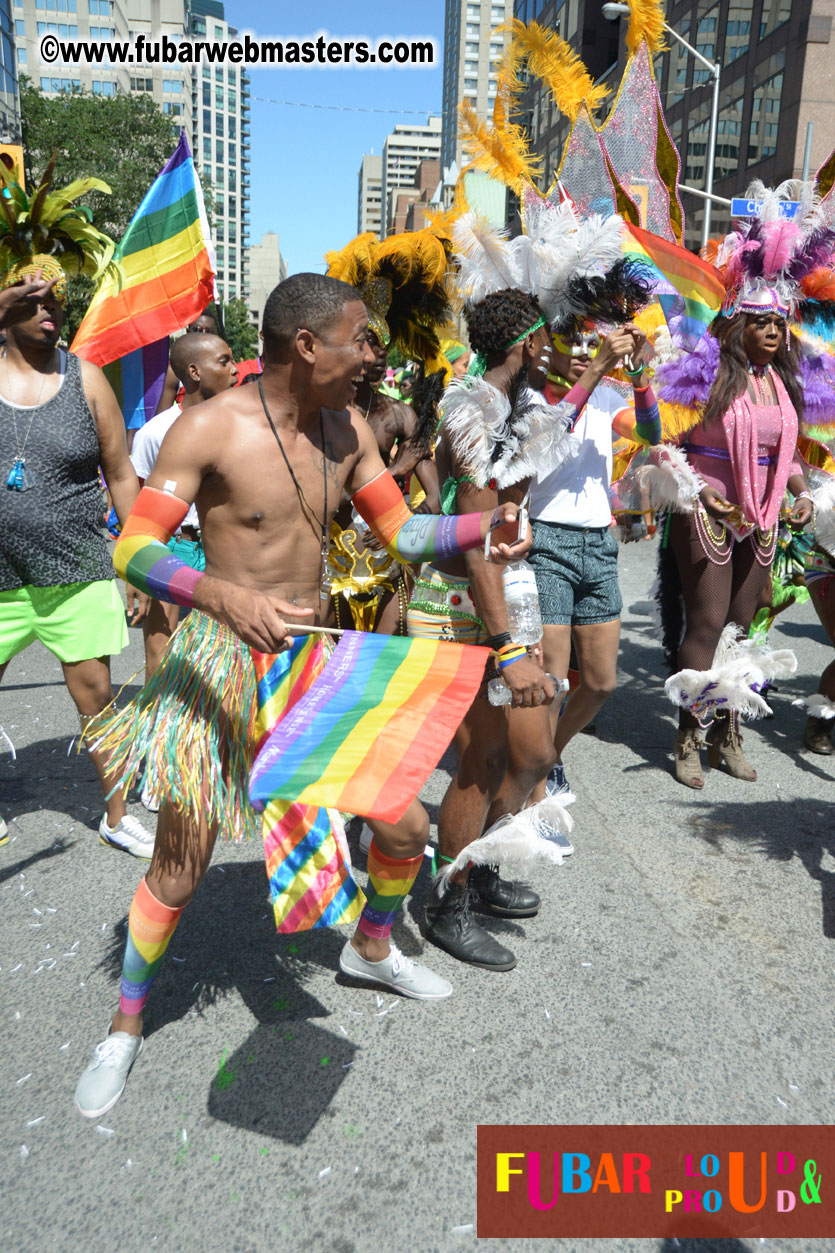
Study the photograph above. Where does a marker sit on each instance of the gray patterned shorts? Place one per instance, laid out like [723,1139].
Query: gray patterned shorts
[576,574]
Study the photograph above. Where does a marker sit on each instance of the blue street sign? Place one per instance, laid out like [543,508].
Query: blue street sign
[741,208]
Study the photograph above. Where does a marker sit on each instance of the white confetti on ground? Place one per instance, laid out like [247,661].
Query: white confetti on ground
[105,1131]
[324,1172]
[463,1230]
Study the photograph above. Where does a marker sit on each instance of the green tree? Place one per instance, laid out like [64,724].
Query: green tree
[241,335]
[122,139]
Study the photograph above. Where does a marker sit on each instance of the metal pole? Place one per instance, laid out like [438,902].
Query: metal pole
[695,191]
[711,153]
[807,155]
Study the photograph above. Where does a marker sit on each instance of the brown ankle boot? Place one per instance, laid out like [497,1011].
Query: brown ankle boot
[724,743]
[818,736]
[688,767]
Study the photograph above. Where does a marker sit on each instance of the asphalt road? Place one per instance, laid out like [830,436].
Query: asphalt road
[677,973]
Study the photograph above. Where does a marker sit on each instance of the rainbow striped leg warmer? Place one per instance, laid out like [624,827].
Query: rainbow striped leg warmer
[389,881]
[150,926]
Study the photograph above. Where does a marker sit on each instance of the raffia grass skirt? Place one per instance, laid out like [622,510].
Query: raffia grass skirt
[192,728]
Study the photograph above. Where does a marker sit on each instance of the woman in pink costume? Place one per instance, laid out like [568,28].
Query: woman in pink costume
[744,450]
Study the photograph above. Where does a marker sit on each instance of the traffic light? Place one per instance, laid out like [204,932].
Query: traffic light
[12,157]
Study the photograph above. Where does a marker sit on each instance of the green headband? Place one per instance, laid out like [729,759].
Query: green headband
[479,362]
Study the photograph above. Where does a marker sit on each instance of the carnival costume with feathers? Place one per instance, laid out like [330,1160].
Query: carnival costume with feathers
[574,266]
[768,266]
[403,284]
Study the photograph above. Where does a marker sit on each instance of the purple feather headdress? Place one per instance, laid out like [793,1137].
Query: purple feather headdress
[764,263]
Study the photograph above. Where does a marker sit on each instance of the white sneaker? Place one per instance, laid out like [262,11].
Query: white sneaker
[103,1082]
[129,835]
[149,801]
[397,972]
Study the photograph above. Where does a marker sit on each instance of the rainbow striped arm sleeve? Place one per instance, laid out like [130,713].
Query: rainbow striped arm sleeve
[411,537]
[141,557]
[641,425]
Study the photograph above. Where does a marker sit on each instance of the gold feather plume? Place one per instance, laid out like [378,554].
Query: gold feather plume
[355,261]
[441,221]
[553,60]
[502,153]
[646,21]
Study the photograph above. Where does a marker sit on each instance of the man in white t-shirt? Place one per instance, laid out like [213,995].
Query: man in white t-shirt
[574,551]
[204,365]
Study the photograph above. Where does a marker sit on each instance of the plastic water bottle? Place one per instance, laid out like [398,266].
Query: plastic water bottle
[498,693]
[524,621]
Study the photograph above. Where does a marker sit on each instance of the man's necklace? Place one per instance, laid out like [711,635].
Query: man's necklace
[20,478]
[323,552]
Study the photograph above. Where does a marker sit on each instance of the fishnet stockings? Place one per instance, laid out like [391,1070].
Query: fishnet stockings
[714,595]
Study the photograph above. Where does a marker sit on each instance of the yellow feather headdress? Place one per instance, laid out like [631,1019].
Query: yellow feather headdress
[501,151]
[554,61]
[411,270]
[646,21]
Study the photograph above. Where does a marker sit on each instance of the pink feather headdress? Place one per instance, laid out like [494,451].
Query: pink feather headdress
[772,264]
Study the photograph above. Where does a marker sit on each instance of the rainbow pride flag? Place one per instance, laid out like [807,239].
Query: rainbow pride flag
[307,860]
[692,280]
[365,737]
[168,267]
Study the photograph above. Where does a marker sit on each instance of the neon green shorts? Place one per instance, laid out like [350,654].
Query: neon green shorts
[75,621]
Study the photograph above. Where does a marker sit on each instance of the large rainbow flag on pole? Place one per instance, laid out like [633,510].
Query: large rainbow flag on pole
[681,276]
[361,733]
[168,268]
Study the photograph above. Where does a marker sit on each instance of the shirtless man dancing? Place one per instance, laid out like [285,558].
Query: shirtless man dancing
[266,467]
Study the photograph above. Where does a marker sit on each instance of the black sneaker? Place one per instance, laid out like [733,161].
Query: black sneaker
[451,926]
[491,894]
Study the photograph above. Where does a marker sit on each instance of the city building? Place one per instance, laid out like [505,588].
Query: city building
[408,202]
[220,103]
[9,99]
[403,150]
[210,102]
[267,268]
[369,194]
[777,76]
[472,47]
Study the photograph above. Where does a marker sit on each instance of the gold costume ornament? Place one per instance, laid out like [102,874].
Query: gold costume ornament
[376,296]
[362,575]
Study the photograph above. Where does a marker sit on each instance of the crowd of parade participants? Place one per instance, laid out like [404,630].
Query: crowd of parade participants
[377,473]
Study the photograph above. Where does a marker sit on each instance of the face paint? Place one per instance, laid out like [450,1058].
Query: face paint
[583,344]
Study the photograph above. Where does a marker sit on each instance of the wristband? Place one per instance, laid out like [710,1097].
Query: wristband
[509,646]
[633,374]
[498,641]
[511,653]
